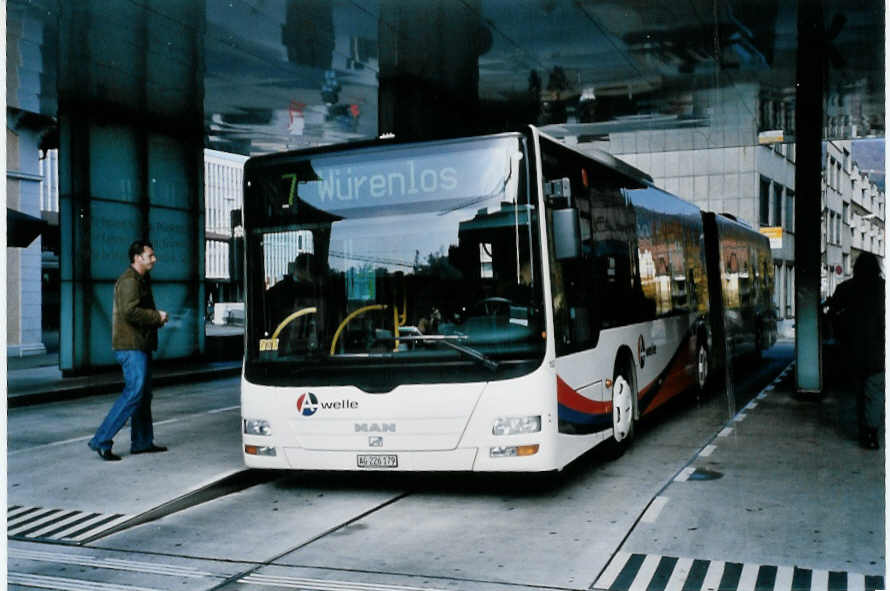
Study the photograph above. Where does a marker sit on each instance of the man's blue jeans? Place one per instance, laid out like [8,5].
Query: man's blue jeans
[134,403]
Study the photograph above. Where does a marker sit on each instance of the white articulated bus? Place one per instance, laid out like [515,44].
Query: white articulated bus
[496,303]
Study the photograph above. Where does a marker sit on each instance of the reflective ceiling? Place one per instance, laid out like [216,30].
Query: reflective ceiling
[283,74]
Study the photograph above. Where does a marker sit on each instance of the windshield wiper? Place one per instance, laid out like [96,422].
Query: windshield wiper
[472,354]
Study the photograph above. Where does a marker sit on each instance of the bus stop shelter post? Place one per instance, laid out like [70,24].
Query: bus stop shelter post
[808,183]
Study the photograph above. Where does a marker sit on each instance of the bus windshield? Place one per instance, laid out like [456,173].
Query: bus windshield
[393,260]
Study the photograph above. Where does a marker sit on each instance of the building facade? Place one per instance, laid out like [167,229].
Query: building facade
[853,210]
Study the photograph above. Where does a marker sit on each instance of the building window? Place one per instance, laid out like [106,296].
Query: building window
[764,201]
[777,204]
[789,210]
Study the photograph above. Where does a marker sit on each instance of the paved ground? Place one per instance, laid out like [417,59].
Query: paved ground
[764,490]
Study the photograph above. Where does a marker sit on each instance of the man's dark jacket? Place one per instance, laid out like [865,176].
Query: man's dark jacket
[135,321]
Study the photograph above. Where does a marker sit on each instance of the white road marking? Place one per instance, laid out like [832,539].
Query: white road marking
[110,563]
[820,580]
[856,582]
[684,474]
[654,510]
[322,584]
[713,576]
[748,578]
[725,432]
[65,584]
[226,409]
[708,450]
[740,417]
[102,528]
[784,578]
[612,571]
[678,577]
[645,574]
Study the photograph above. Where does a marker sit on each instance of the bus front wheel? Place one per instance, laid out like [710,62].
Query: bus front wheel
[622,414]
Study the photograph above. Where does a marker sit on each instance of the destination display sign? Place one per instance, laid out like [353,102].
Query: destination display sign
[452,171]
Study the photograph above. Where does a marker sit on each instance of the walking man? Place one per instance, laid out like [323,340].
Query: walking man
[860,306]
[134,335]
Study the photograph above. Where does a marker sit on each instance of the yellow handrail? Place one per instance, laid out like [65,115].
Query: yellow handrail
[350,317]
[291,318]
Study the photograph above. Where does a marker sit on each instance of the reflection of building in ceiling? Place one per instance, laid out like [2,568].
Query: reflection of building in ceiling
[680,91]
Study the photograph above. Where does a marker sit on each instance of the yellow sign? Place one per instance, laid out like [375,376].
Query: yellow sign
[775,236]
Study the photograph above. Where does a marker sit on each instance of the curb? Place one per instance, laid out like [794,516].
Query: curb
[61,392]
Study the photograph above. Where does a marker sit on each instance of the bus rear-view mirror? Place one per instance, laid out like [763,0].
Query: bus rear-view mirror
[566,234]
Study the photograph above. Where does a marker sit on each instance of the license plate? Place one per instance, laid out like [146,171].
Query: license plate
[377,461]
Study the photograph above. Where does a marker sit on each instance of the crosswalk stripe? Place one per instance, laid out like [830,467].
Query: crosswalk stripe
[58,524]
[20,512]
[12,528]
[678,576]
[819,581]
[63,529]
[714,575]
[612,571]
[644,575]
[46,525]
[95,529]
[654,572]
[784,577]
[855,582]
[748,580]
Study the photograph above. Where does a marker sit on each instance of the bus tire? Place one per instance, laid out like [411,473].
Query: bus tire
[702,370]
[623,417]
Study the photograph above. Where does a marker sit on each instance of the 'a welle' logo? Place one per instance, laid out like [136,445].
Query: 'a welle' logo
[308,404]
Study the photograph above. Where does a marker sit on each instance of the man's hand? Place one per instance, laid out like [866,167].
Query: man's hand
[164,317]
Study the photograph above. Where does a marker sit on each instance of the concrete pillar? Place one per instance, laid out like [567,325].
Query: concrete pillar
[23,264]
[807,207]
[130,166]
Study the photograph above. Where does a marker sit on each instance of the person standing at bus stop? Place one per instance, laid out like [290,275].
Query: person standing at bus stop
[859,306]
[134,335]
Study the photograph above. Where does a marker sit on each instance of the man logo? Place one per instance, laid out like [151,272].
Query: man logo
[307,404]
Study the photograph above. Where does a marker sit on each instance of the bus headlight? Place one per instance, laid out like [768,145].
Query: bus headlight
[516,425]
[257,427]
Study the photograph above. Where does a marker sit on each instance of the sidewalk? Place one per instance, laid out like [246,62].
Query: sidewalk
[38,379]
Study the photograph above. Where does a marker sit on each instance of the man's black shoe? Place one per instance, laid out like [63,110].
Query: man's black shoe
[108,455]
[150,450]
